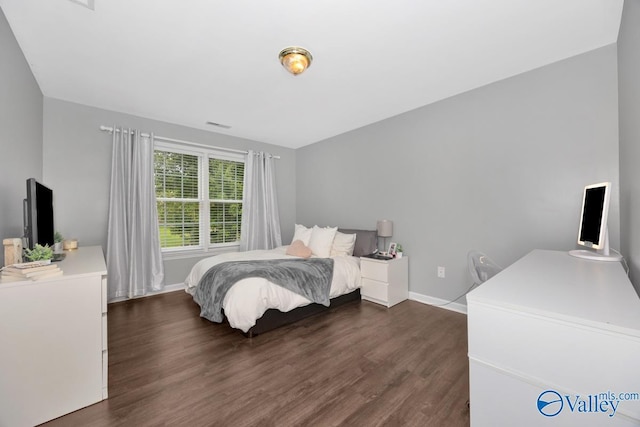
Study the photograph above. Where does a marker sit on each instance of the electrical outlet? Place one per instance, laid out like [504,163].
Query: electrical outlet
[441,272]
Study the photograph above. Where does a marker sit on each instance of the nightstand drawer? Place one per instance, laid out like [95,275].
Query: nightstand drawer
[375,270]
[374,289]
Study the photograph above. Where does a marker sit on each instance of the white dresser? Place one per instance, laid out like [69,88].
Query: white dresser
[552,340]
[53,337]
[385,282]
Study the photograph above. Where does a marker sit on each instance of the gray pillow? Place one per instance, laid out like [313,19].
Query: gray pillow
[366,241]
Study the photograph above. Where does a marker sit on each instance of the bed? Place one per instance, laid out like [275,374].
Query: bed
[256,305]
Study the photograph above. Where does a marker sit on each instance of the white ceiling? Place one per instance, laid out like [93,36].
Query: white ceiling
[193,61]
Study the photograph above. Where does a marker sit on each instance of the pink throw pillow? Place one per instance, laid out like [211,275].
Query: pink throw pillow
[297,248]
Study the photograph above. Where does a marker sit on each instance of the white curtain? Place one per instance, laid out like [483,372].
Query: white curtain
[260,218]
[134,259]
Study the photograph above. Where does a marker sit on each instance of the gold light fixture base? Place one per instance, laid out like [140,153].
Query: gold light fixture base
[295,59]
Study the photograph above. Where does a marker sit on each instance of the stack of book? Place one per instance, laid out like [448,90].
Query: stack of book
[34,270]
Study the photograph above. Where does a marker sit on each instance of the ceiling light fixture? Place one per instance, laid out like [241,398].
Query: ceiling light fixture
[295,59]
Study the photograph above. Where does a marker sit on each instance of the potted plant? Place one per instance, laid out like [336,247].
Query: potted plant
[57,242]
[38,253]
[398,250]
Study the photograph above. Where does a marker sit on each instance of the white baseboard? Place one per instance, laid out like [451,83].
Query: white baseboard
[167,288]
[437,302]
[171,288]
[413,296]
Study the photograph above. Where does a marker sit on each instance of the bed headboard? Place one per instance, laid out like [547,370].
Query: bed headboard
[366,241]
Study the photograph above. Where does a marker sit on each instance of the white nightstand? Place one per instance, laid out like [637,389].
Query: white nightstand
[385,282]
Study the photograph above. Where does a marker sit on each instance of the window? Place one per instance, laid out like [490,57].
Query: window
[225,200]
[199,197]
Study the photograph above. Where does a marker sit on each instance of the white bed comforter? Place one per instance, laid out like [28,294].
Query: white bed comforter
[249,298]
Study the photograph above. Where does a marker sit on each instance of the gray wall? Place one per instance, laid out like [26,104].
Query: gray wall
[77,166]
[20,132]
[629,93]
[500,169]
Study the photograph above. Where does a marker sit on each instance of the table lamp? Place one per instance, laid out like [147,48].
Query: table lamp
[385,229]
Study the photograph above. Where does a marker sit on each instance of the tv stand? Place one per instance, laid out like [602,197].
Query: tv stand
[53,340]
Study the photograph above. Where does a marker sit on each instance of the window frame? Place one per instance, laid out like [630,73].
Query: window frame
[204,247]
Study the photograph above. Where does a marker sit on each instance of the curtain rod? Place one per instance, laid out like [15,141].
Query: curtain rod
[179,141]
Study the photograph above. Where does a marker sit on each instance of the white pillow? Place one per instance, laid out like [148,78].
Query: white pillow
[322,240]
[302,233]
[343,244]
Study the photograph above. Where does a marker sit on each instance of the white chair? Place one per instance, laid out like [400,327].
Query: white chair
[481,267]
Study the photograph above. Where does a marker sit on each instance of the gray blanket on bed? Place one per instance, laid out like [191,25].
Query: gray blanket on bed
[310,278]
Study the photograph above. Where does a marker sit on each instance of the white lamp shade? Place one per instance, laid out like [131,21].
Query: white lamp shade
[385,228]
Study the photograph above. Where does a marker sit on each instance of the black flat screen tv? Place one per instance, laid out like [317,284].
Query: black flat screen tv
[38,214]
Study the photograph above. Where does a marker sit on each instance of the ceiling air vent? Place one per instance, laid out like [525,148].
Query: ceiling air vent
[219,125]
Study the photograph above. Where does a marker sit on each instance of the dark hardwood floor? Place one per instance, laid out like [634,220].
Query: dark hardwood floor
[359,365]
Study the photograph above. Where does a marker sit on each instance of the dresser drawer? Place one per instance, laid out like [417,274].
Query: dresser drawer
[375,270]
[375,289]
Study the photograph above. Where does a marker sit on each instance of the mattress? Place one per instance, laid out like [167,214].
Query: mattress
[249,298]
